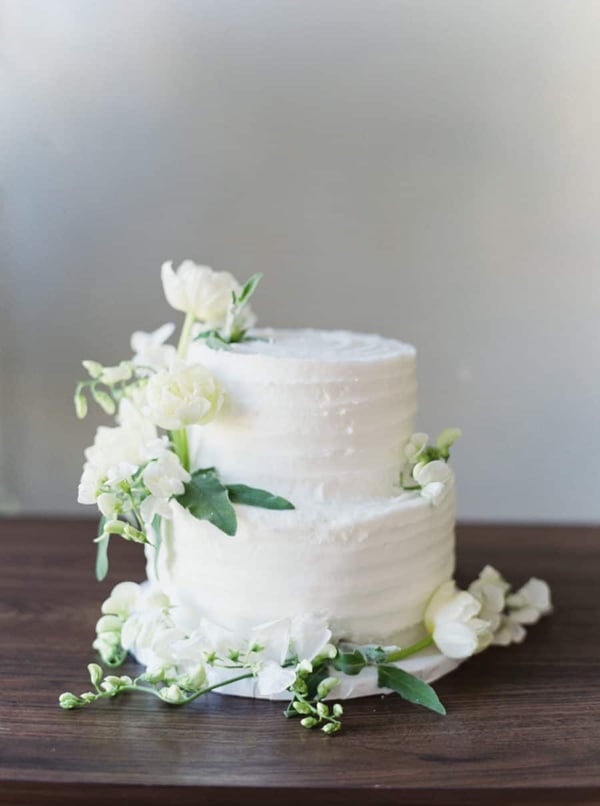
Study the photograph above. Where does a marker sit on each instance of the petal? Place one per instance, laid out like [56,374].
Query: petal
[455,640]
[273,679]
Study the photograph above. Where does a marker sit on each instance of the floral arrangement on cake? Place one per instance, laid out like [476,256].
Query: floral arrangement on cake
[137,468]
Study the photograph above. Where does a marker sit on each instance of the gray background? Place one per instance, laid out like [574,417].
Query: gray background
[428,170]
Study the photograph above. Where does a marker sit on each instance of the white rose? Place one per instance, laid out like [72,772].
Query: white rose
[451,619]
[199,290]
[186,394]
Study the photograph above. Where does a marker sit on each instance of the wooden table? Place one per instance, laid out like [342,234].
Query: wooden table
[523,723]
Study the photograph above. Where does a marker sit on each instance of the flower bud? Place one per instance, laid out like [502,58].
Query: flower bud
[95,673]
[68,700]
[111,683]
[338,709]
[172,694]
[301,707]
[94,368]
[88,696]
[322,709]
[109,624]
[104,400]
[331,727]
[81,406]
[304,667]
[308,722]
[326,686]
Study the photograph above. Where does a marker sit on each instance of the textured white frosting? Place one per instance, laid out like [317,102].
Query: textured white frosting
[319,417]
[310,413]
[369,567]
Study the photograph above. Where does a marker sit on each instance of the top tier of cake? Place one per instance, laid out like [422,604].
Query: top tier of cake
[310,413]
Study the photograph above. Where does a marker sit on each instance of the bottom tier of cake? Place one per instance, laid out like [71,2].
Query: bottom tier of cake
[369,568]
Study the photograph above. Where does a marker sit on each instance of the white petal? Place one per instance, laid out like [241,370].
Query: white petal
[273,679]
[455,640]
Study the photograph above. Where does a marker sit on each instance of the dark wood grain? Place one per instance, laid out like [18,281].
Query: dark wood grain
[523,723]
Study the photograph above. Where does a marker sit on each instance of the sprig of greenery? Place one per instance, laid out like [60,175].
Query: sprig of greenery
[312,686]
[233,331]
[207,498]
[106,392]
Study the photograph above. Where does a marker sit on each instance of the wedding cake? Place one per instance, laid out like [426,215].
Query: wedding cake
[322,419]
[298,531]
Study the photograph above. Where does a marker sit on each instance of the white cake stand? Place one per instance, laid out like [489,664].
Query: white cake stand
[427,665]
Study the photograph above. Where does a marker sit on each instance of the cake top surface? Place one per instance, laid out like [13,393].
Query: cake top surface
[310,344]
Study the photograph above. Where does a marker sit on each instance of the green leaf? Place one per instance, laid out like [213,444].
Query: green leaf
[253,497]
[207,499]
[350,662]
[375,654]
[102,552]
[409,687]
[314,678]
[249,289]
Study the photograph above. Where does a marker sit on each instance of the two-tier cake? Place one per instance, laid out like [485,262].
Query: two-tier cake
[299,534]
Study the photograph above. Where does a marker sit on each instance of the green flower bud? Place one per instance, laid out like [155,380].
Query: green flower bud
[88,696]
[104,400]
[305,667]
[94,368]
[301,707]
[68,700]
[326,686]
[96,673]
[130,533]
[114,527]
[81,406]
[125,680]
[337,709]
[111,683]
[322,709]
[172,694]
[194,680]
[308,722]
[446,440]
[331,727]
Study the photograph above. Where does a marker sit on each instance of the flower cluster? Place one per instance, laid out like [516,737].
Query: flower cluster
[133,472]
[462,623]
[186,657]
[425,466]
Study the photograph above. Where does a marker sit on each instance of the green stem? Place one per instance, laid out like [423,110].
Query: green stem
[179,438]
[186,335]
[216,685]
[410,650]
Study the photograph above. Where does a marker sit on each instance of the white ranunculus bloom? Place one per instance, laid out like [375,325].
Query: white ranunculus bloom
[415,447]
[433,478]
[490,588]
[531,602]
[150,349]
[185,394]
[452,620]
[199,290]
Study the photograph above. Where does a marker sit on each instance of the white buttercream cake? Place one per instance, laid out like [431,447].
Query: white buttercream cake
[321,418]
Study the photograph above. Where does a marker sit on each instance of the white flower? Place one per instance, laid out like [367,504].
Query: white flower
[186,394]
[112,375]
[122,599]
[165,476]
[451,619]
[531,602]
[199,290]
[273,678]
[433,478]
[415,447]
[490,589]
[446,439]
[117,452]
[509,632]
[309,635]
[150,349]
[108,504]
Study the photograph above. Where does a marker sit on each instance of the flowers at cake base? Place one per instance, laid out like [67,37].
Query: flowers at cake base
[186,657]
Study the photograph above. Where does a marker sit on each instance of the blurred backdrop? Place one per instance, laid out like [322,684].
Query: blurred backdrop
[427,170]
